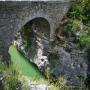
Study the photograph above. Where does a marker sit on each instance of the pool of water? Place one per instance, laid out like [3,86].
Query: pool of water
[23,65]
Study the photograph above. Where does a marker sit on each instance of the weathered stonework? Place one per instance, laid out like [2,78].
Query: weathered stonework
[14,15]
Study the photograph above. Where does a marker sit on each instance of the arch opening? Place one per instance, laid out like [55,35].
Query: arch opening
[38,26]
[33,41]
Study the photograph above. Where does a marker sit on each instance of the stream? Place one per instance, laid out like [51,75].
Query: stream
[22,65]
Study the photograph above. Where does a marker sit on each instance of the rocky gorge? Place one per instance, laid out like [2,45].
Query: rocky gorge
[46,38]
[72,65]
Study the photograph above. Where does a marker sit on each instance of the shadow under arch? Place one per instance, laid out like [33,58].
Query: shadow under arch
[38,27]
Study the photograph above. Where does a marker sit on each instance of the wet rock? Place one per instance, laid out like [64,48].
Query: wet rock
[34,53]
[71,65]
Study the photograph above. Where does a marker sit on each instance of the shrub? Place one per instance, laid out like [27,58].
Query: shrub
[53,56]
[10,76]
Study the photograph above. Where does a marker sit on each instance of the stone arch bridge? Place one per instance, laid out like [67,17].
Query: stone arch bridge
[14,15]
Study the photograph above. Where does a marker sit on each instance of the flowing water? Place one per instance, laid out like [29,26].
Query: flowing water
[22,64]
[35,52]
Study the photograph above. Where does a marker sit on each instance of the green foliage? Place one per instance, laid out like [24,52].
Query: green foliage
[10,76]
[11,81]
[57,41]
[2,67]
[53,56]
[75,25]
[85,37]
[47,73]
[79,21]
[58,84]
[25,87]
[77,11]
[80,12]
[61,82]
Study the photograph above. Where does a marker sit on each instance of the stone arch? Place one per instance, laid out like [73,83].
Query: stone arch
[41,25]
[32,16]
[21,13]
[36,34]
